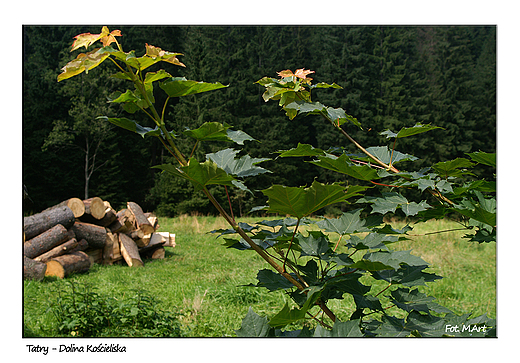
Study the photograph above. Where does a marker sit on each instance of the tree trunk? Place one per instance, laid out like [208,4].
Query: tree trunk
[129,251]
[75,204]
[58,250]
[96,236]
[40,222]
[142,222]
[46,241]
[94,207]
[33,270]
[65,265]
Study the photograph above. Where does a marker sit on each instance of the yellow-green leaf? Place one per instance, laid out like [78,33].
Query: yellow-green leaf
[83,62]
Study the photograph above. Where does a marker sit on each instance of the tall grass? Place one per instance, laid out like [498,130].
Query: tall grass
[203,280]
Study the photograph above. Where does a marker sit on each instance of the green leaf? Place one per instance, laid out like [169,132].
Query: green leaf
[484,158]
[133,126]
[200,174]
[180,86]
[156,76]
[346,329]
[325,85]
[315,244]
[452,167]
[253,326]
[301,150]
[412,208]
[370,265]
[409,131]
[338,115]
[407,276]
[386,155]
[143,62]
[349,222]
[242,167]
[395,258]
[390,201]
[479,214]
[346,284]
[409,300]
[272,281]
[426,325]
[392,327]
[209,131]
[368,302]
[83,63]
[341,165]
[300,202]
[288,316]
[371,241]
[239,136]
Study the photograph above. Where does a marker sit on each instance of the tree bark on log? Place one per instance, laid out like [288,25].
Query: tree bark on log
[76,205]
[94,207]
[46,241]
[82,246]
[123,223]
[65,265]
[33,270]
[116,250]
[108,250]
[62,249]
[95,256]
[141,221]
[129,251]
[96,236]
[158,253]
[41,222]
[153,220]
[155,253]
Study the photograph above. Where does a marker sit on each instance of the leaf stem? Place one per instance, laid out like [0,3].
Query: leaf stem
[253,245]
[229,201]
[379,293]
[290,244]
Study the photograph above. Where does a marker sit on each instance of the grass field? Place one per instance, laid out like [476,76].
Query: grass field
[201,280]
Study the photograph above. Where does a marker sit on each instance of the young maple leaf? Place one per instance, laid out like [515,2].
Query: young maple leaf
[87,39]
[302,73]
[154,52]
[286,73]
[110,38]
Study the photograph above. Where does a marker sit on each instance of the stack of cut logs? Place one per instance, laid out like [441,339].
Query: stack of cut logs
[71,236]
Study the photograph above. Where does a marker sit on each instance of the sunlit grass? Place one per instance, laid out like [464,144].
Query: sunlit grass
[203,280]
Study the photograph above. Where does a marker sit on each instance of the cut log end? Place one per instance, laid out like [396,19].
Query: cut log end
[62,266]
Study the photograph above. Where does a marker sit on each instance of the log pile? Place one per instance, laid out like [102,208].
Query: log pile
[71,236]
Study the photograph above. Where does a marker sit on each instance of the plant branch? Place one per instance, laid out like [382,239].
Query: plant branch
[253,245]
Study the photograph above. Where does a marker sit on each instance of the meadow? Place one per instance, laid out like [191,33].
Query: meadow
[201,282]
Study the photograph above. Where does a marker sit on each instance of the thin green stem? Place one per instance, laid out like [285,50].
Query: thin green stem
[164,109]
[194,147]
[290,244]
